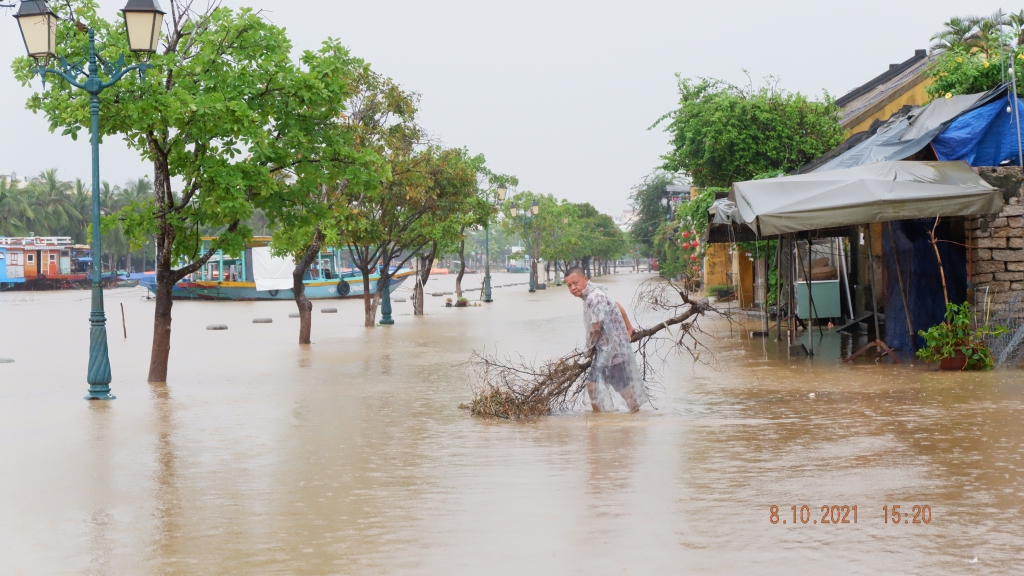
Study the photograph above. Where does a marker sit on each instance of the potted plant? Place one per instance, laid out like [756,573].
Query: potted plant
[462,302]
[447,302]
[955,345]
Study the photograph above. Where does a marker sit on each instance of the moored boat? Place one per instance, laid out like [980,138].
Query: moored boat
[258,275]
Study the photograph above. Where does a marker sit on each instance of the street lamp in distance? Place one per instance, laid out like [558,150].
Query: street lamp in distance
[502,191]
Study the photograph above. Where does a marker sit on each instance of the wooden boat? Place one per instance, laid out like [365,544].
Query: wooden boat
[257,276]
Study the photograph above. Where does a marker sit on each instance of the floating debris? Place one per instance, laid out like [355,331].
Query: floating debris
[217,327]
[328,310]
[294,315]
[6,361]
[262,320]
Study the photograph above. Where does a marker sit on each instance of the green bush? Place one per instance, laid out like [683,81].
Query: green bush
[956,335]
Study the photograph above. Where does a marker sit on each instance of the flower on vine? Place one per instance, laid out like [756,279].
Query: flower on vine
[949,95]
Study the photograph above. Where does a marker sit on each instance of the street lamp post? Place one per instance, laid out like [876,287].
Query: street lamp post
[502,192]
[143,20]
[526,217]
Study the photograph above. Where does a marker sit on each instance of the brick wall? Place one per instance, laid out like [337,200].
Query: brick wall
[998,257]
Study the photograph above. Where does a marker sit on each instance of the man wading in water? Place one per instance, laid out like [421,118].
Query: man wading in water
[613,373]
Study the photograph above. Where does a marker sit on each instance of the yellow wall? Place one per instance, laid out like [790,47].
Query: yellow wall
[916,96]
[717,265]
[745,282]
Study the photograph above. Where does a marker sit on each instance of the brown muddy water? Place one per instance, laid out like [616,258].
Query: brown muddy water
[350,456]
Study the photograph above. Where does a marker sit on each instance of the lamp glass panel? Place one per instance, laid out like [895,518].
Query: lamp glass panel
[40,33]
[513,211]
[535,209]
[502,192]
[143,30]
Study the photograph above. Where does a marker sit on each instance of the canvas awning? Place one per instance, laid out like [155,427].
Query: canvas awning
[880,192]
[271,273]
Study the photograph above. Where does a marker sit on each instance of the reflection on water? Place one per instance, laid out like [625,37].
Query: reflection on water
[349,456]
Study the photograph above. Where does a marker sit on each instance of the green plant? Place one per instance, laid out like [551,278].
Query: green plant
[722,133]
[956,335]
[719,291]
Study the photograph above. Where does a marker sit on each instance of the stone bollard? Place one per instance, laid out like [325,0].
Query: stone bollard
[217,327]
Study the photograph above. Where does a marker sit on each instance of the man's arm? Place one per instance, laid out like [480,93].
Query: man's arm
[625,318]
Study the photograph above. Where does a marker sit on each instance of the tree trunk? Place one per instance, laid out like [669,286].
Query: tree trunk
[462,267]
[161,350]
[369,307]
[424,276]
[417,305]
[299,288]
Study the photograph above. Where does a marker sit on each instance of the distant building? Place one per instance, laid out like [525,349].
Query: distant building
[626,219]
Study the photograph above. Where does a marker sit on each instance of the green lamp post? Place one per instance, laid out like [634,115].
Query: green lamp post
[502,192]
[526,216]
[143,20]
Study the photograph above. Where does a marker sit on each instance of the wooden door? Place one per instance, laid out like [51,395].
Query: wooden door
[31,271]
[52,266]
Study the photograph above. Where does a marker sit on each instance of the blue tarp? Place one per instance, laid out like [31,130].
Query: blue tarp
[906,244]
[986,136]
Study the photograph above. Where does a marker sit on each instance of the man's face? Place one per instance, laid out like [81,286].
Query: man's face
[577,283]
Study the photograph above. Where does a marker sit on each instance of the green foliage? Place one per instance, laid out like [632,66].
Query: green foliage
[214,112]
[961,71]
[977,54]
[722,133]
[956,335]
[690,222]
[650,214]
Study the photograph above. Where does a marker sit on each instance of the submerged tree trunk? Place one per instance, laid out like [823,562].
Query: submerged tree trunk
[369,306]
[462,267]
[423,277]
[161,349]
[417,304]
[299,288]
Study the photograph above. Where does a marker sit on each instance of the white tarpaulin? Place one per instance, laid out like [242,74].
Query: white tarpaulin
[879,192]
[271,273]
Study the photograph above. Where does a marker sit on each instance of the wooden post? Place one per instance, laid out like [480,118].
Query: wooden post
[124,326]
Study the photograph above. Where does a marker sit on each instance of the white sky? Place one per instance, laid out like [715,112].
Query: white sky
[558,93]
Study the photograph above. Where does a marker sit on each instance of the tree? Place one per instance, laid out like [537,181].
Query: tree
[428,188]
[311,211]
[647,200]
[723,134]
[209,113]
[977,54]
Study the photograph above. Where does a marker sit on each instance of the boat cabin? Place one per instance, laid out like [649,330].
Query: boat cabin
[37,258]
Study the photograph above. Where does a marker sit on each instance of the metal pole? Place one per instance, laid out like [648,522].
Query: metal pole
[529,252]
[99,359]
[385,299]
[487,264]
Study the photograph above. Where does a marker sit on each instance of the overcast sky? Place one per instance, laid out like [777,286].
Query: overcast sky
[558,93]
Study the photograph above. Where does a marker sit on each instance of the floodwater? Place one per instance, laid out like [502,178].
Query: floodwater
[350,456]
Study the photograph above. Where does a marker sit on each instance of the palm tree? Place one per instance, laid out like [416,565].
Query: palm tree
[956,33]
[81,201]
[15,212]
[53,213]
